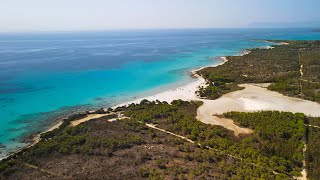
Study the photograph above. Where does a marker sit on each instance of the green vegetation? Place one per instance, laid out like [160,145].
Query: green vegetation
[314,121]
[77,140]
[279,66]
[283,132]
[65,123]
[216,153]
[313,152]
[278,147]
[217,86]
[129,149]
[85,140]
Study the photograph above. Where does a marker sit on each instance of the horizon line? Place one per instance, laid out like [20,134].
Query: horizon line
[144,29]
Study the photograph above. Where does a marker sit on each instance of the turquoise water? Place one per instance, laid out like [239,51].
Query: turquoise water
[45,76]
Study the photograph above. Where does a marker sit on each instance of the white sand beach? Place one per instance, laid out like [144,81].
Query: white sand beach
[186,93]
[254,97]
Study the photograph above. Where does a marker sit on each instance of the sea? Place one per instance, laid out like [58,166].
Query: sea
[50,75]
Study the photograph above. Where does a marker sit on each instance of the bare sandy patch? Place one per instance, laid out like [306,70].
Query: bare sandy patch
[88,118]
[254,97]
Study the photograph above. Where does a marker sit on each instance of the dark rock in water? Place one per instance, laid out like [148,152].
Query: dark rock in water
[13,139]
[2,146]
[98,99]
[28,139]
[14,129]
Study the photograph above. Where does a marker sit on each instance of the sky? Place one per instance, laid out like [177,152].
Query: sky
[82,15]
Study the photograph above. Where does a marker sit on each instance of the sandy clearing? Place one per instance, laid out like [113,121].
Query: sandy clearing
[254,97]
[88,118]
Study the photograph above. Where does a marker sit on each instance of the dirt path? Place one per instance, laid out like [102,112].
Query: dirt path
[168,132]
[301,74]
[208,147]
[191,141]
[301,66]
[92,116]
[46,171]
[304,168]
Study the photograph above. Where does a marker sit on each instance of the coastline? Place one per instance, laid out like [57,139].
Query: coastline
[253,98]
[33,141]
[186,92]
[209,110]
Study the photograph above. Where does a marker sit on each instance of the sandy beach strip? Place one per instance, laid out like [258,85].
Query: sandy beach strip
[254,97]
[186,93]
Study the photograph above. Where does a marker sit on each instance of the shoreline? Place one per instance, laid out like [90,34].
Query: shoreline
[33,141]
[190,87]
[186,93]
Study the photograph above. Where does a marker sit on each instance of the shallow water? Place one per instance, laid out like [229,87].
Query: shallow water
[48,75]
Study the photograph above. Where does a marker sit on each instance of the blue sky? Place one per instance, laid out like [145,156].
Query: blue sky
[68,15]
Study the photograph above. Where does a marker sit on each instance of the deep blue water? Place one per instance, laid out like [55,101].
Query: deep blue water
[44,76]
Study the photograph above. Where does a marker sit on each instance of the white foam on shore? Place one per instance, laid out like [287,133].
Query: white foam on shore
[186,92]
